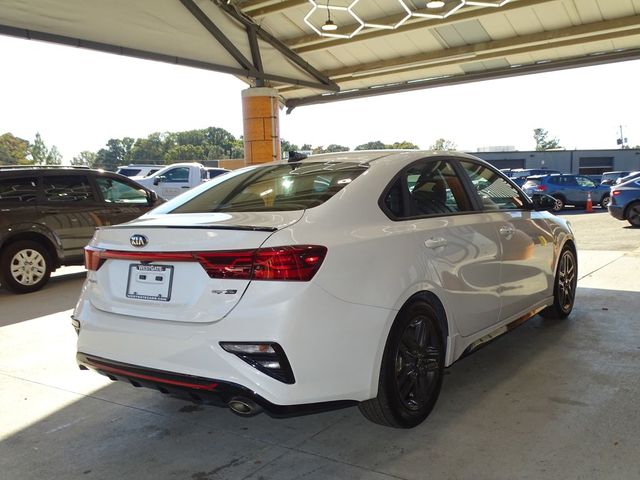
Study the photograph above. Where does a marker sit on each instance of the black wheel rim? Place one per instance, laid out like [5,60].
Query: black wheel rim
[634,215]
[559,205]
[567,280]
[418,363]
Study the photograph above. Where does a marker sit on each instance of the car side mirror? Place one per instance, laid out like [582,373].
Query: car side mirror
[152,197]
[159,179]
[542,202]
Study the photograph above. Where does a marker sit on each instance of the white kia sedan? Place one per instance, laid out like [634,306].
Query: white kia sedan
[341,279]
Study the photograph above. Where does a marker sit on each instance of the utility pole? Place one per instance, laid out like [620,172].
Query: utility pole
[622,141]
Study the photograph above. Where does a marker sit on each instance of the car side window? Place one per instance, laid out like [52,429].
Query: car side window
[116,191]
[68,189]
[431,188]
[177,175]
[18,190]
[585,182]
[494,191]
[569,181]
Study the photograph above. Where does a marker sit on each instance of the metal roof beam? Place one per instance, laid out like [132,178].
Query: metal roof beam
[147,55]
[262,9]
[606,30]
[243,19]
[311,43]
[590,60]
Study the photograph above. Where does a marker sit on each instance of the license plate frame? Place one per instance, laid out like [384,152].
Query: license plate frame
[157,289]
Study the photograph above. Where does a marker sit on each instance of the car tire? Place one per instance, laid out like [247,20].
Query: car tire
[633,214]
[559,205]
[25,266]
[604,203]
[412,369]
[564,287]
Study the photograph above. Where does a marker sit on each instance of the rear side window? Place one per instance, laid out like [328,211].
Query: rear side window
[116,191]
[18,189]
[294,186]
[67,189]
[129,172]
[494,191]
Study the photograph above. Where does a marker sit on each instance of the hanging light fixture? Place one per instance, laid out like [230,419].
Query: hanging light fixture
[435,4]
[329,25]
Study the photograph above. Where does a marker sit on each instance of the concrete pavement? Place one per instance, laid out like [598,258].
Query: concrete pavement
[552,399]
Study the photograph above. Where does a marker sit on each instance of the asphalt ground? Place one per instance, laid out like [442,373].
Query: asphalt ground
[550,400]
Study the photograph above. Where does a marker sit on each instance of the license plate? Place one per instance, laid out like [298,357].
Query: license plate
[150,282]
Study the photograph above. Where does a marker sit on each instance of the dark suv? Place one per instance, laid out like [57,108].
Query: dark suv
[48,215]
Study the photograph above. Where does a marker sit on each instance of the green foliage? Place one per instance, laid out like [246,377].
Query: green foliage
[404,145]
[286,147]
[85,158]
[38,151]
[53,156]
[375,145]
[184,153]
[443,145]
[13,150]
[540,135]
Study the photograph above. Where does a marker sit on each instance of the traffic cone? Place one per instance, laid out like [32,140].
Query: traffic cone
[589,208]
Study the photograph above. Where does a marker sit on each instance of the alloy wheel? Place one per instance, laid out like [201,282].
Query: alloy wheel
[566,281]
[633,215]
[417,365]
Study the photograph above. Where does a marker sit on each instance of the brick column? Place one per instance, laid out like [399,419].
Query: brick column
[261,125]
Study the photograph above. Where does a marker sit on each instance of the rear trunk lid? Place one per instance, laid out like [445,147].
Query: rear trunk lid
[150,267]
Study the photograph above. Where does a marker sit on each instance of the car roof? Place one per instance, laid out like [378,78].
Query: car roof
[369,156]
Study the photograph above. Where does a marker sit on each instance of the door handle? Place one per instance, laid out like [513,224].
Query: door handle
[507,231]
[184,187]
[435,242]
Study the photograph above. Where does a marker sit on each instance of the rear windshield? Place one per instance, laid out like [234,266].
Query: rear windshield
[129,172]
[293,186]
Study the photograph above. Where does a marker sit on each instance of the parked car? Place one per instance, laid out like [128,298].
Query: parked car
[174,179]
[520,175]
[50,214]
[625,202]
[626,178]
[138,169]
[568,190]
[342,279]
[213,172]
[610,178]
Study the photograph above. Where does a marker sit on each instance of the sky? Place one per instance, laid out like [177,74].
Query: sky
[78,99]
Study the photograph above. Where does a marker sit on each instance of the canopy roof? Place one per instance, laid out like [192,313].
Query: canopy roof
[380,46]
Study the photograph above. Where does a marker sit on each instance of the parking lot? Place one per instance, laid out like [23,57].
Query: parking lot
[552,399]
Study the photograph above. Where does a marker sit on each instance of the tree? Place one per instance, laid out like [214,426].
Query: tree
[375,145]
[443,145]
[286,147]
[109,158]
[13,150]
[540,135]
[404,145]
[336,148]
[53,156]
[184,153]
[306,147]
[85,158]
[38,150]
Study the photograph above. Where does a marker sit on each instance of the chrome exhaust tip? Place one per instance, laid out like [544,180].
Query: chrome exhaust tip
[244,407]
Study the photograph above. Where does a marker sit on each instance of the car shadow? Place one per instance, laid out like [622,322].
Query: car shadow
[61,293]
[525,391]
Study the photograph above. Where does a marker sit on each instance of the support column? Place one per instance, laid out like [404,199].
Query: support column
[261,123]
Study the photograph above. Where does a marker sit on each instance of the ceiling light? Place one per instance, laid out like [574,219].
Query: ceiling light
[435,4]
[329,26]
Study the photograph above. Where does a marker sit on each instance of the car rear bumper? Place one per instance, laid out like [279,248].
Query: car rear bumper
[197,389]
[616,211]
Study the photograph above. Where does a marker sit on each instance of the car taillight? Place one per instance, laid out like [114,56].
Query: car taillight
[615,193]
[296,262]
[541,188]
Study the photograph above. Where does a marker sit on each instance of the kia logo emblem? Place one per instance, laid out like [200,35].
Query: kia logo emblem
[138,240]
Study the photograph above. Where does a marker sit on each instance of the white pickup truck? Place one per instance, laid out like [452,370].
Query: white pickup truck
[174,179]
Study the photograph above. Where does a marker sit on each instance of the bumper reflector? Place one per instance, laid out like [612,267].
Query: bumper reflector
[268,357]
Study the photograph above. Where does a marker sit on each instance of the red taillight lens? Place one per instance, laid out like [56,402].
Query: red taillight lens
[92,258]
[297,263]
[615,193]
[300,262]
[541,188]
[234,264]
